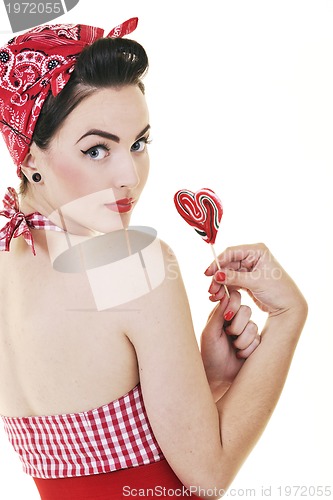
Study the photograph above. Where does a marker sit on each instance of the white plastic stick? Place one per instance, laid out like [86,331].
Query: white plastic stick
[219,267]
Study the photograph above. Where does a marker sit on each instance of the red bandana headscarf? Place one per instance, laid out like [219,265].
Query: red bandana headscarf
[35,63]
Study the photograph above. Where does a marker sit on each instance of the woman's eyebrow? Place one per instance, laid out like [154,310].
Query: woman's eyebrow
[143,132]
[108,135]
[101,133]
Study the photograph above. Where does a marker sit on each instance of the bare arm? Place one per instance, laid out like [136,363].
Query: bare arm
[206,443]
[247,406]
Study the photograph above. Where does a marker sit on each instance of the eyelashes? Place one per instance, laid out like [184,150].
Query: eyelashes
[140,144]
[98,152]
[102,150]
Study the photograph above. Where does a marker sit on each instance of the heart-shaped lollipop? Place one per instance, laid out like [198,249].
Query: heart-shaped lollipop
[201,210]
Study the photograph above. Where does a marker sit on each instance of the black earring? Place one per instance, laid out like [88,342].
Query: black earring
[36,177]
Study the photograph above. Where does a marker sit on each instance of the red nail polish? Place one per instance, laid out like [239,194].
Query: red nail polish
[220,276]
[228,315]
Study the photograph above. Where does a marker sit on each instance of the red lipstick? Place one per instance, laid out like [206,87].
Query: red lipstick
[122,206]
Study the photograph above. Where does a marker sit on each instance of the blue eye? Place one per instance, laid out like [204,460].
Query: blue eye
[140,145]
[98,152]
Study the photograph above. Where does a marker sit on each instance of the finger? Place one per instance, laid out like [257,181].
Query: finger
[216,316]
[218,291]
[213,329]
[219,294]
[243,256]
[211,270]
[212,313]
[246,255]
[245,353]
[245,339]
[214,287]
[225,310]
[240,321]
[240,279]
[233,305]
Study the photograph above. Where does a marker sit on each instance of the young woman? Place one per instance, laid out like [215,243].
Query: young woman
[104,391]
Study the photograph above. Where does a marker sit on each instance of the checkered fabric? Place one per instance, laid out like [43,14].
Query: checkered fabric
[115,436]
[20,224]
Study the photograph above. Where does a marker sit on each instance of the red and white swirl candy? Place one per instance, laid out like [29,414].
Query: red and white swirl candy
[201,210]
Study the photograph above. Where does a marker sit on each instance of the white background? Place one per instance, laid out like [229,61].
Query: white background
[240,94]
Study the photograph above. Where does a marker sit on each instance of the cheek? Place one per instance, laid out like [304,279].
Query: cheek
[65,170]
[144,172]
[71,180]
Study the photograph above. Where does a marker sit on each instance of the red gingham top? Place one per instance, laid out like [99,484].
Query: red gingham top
[115,436]
[19,224]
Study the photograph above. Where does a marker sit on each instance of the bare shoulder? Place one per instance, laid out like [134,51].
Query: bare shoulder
[167,298]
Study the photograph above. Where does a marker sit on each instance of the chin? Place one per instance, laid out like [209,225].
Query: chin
[108,224]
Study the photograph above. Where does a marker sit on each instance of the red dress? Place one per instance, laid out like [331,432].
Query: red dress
[156,480]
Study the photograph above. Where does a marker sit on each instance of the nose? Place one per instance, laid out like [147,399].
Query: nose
[126,175]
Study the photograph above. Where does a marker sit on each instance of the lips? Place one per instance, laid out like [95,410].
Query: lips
[121,206]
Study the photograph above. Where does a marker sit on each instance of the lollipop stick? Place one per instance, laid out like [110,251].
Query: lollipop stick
[219,267]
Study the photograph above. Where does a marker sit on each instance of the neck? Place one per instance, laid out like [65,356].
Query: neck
[29,204]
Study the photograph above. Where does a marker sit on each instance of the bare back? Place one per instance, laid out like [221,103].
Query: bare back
[58,353]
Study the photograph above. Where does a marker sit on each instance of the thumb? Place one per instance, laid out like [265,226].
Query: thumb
[216,317]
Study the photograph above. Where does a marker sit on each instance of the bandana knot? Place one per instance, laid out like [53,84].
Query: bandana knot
[19,223]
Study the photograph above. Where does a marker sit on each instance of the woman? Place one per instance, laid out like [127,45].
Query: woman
[90,312]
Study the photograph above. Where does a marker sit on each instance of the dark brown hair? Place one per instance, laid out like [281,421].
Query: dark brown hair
[108,62]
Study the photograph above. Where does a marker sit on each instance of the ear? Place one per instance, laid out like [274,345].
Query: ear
[28,166]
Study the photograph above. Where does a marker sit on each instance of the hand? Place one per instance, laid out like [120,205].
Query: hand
[253,268]
[226,341]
